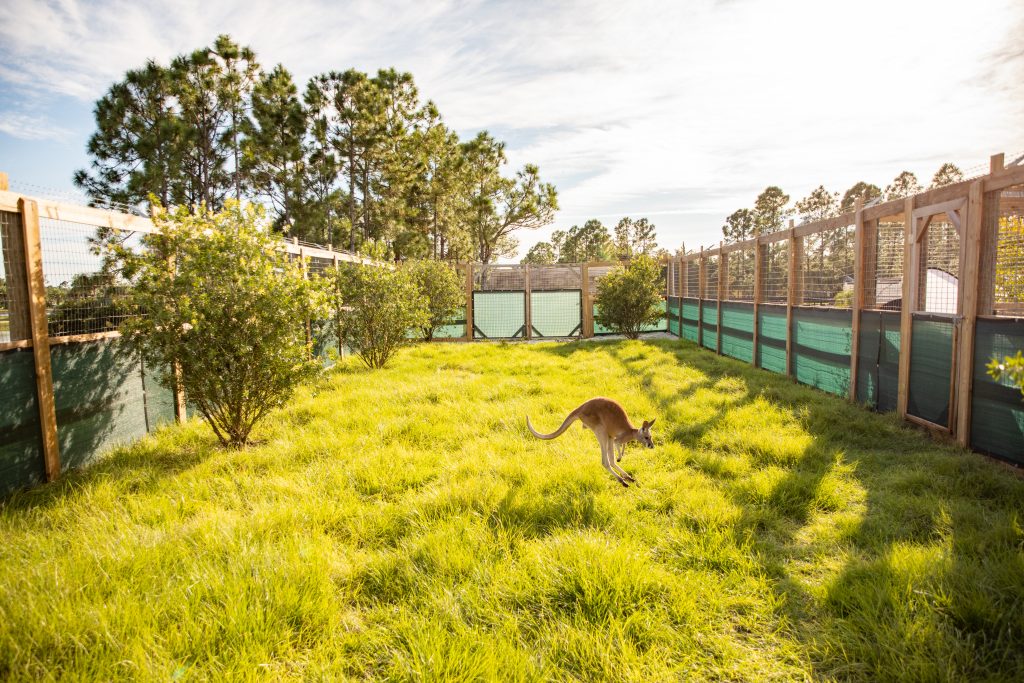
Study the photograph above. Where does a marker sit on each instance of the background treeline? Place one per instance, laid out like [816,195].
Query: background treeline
[593,242]
[354,160]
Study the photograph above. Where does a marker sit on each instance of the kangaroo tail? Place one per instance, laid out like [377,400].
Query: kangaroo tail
[555,434]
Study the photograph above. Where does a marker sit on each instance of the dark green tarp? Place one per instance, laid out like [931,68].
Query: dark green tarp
[738,330]
[709,326]
[878,359]
[21,448]
[997,408]
[931,367]
[689,322]
[771,338]
[556,313]
[822,343]
[672,314]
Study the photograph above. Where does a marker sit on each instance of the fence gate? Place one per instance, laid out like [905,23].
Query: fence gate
[935,304]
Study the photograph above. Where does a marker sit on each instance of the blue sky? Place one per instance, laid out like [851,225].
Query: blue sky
[681,112]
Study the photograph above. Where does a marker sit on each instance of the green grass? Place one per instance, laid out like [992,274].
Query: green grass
[404,525]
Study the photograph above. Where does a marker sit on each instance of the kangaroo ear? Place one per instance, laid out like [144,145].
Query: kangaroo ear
[649,424]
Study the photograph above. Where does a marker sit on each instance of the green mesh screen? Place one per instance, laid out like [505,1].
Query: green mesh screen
[21,448]
[659,326]
[556,313]
[771,338]
[738,330]
[672,315]
[878,359]
[997,409]
[499,315]
[709,328]
[100,403]
[822,343]
[931,367]
[689,322]
[325,342]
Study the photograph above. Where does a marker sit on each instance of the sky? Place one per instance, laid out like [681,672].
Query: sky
[680,112]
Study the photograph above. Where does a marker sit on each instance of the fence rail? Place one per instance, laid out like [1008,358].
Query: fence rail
[899,305]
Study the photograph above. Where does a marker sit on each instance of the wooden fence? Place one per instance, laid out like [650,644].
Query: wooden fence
[899,305]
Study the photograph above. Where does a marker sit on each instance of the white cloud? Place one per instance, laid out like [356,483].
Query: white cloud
[26,127]
[682,111]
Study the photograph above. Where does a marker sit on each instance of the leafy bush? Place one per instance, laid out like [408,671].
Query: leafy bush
[377,306]
[443,290]
[628,297]
[1010,368]
[224,302]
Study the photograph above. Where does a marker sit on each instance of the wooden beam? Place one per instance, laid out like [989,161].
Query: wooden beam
[81,338]
[40,338]
[996,163]
[859,259]
[723,288]
[758,295]
[795,249]
[469,302]
[587,330]
[4,183]
[527,304]
[12,345]
[910,274]
[702,278]
[971,287]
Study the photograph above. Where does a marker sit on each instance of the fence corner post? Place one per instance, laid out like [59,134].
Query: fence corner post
[29,211]
[792,291]
[758,294]
[911,274]
[859,258]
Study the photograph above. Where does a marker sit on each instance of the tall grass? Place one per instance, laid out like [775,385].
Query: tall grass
[403,524]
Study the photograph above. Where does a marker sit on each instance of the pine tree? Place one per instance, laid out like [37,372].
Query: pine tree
[860,190]
[634,237]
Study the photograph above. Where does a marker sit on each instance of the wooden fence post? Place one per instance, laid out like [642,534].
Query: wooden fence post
[858,292]
[469,301]
[975,235]
[723,288]
[309,323]
[758,294]
[794,291]
[528,306]
[702,276]
[587,314]
[29,211]
[911,273]
[4,183]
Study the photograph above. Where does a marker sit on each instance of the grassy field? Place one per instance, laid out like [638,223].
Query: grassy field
[404,525]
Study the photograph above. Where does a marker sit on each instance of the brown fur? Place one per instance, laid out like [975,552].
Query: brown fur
[611,426]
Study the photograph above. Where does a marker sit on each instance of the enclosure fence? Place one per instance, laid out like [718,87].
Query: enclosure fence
[899,305]
[69,389]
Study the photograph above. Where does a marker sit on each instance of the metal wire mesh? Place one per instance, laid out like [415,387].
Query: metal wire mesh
[1009,267]
[594,274]
[775,272]
[692,278]
[940,281]
[827,268]
[556,313]
[555,277]
[740,286]
[711,278]
[676,287]
[81,298]
[499,278]
[13,290]
[317,265]
[885,290]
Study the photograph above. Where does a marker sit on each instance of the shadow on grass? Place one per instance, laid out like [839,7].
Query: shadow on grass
[932,555]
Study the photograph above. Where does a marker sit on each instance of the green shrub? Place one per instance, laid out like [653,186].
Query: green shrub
[377,305]
[1010,368]
[443,290]
[222,300]
[628,297]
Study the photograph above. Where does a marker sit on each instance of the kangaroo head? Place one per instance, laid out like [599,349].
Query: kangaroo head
[643,435]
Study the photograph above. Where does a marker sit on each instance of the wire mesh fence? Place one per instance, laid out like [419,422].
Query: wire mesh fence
[940,277]
[692,279]
[775,272]
[13,292]
[826,275]
[1009,261]
[740,285]
[711,271]
[884,289]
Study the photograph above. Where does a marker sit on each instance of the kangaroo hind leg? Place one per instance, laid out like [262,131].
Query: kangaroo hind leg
[608,457]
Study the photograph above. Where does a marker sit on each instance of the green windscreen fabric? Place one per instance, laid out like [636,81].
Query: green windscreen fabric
[456,327]
[709,337]
[689,321]
[499,315]
[672,314]
[878,359]
[97,388]
[997,408]
[771,337]
[822,344]
[738,330]
[21,448]
[556,313]
[931,367]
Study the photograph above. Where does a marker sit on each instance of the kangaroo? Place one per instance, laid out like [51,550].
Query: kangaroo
[611,426]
